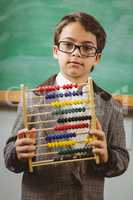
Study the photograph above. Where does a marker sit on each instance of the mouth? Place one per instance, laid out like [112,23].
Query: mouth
[75,62]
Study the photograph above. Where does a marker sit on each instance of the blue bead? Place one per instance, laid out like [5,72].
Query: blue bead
[56,95]
[60,136]
[61,95]
[74,93]
[70,94]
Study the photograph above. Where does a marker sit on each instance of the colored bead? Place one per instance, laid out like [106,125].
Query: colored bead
[49,145]
[57,87]
[71,126]
[61,95]
[40,89]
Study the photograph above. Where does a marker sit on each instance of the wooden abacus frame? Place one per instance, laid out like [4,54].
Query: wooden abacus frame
[90,101]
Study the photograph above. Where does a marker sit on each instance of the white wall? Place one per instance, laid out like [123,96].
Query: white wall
[121,187]
[10,184]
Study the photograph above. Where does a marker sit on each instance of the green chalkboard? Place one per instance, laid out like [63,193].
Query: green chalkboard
[26,39]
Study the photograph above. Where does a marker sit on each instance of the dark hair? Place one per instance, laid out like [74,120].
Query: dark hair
[88,22]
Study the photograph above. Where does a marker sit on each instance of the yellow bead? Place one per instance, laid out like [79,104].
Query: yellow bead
[59,144]
[53,103]
[65,143]
[78,102]
[81,101]
[68,143]
[71,103]
[66,103]
[56,144]
[62,104]
[53,144]
[90,139]
[57,104]
[49,145]
[73,142]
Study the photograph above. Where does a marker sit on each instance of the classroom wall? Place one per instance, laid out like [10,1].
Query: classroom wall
[10,183]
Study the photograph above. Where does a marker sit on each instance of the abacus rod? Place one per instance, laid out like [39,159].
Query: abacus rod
[44,129]
[23,92]
[24,109]
[41,113]
[76,142]
[45,113]
[48,129]
[93,113]
[56,120]
[79,85]
[43,122]
[39,105]
[47,153]
[42,96]
[60,104]
[77,133]
[93,122]
[50,162]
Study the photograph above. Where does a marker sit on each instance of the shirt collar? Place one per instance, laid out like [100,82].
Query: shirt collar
[61,80]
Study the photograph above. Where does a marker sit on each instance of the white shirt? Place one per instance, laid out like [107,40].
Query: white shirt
[61,80]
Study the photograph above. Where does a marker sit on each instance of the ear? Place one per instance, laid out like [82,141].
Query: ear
[55,52]
[97,59]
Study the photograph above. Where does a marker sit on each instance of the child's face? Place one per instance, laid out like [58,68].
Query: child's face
[74,66]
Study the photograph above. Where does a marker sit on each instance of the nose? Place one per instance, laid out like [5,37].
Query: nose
[76,52]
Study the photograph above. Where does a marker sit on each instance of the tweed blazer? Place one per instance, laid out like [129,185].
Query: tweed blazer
[74,181]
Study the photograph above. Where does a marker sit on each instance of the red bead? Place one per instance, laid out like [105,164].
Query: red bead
[57,87]
[71,85]
[67,86]
[74,85]
[41,89]
[64,86]
[50,88]
[53,88]
[47,88]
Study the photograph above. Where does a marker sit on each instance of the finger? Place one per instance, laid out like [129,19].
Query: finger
[98,133]
[25,149]
[98,151]
[24,141]
[26,133]
[25,155]
[32,133]
[97,144]
[98,125]
[21,133]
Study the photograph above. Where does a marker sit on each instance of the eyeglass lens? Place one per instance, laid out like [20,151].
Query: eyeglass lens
[85,49]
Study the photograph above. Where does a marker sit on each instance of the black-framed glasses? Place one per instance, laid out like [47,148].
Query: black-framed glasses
[85,49]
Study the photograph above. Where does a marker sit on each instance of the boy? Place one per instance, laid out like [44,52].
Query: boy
[78,43]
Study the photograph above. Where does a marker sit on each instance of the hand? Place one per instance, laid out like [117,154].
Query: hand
[25,146]
[99,145]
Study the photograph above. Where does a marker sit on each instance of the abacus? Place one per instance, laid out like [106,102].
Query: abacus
[63,116]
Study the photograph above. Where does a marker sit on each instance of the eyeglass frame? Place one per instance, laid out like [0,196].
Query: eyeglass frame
[75,46]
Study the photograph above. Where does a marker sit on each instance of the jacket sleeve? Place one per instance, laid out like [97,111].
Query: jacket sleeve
[10,157]
[116,142]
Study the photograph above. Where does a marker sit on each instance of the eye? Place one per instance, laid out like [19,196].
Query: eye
[88,48]
[67,45]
